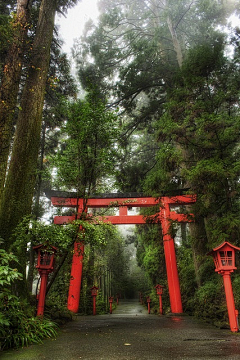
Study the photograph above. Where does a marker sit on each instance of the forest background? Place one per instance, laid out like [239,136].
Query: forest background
[154,109]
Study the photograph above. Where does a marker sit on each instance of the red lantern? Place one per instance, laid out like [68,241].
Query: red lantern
[45,264]
[224,260]
[224,257]
[46,257]
[159,289]
[94,290]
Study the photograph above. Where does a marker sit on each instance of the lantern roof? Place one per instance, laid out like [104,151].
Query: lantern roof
[224,244]
[45,247]
[94,287]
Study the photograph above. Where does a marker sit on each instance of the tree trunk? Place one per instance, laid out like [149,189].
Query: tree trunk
[10,83]
[198,241]
[19,189]
[175,41]
[197,228]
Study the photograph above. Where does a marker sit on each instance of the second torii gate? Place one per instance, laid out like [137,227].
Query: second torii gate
[164,216]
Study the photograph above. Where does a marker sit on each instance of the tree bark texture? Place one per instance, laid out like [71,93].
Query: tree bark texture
[19,189]
[10,83]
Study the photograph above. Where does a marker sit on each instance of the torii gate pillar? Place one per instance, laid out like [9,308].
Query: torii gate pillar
[76,277]
[171,261]
[76,273]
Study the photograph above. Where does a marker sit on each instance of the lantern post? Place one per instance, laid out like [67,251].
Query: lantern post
[118,295]
[110,303]
[45,264]
[224,260]
[94,291]
[148,302]
[159,289]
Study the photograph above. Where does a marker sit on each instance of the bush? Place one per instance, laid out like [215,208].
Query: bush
[18,326]
[210,303]
[18,329]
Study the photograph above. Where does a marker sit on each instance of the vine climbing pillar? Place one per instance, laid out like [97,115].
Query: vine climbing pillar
[76,277]
[171,261]
[76,273]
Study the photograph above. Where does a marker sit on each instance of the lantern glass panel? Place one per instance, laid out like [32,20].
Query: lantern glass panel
[226,258]
[45,258]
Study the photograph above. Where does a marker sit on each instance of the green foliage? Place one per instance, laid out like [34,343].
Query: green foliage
[5,37]
[210,303]
[30,231]
[7,274]
[88,147]
[187,277]
[18,326]
[150,254]
[35,232]
[96,232]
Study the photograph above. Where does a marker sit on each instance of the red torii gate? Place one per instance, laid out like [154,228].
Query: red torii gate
[164,216]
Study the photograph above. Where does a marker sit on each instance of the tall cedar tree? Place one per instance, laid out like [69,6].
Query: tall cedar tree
[10,82]
[18,192]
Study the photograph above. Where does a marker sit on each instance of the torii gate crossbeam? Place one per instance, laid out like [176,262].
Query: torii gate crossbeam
[164,216]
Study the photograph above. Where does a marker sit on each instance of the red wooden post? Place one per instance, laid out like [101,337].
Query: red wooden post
[42,292]
[94,305]
[160,305]
[76,277]
[148,302]
[94,290]
[230,301]
[110,303]
[171,261]
[159,289]
[76,273]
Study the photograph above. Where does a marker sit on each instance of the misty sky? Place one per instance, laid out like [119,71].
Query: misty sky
[72,26]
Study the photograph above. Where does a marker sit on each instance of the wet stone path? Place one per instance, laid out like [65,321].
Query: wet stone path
[130,333]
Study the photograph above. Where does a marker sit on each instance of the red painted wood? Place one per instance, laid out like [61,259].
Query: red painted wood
[76,278]
[67,202]
[160,305]
[123,210]
[42,292]
[125,219]
[133,202]
[171,262]
[230,301]
[94,305]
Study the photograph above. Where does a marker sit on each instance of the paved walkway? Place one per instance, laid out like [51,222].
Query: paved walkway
[130,333]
